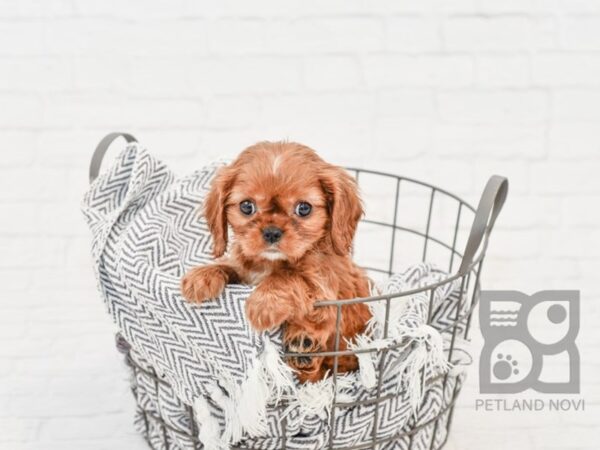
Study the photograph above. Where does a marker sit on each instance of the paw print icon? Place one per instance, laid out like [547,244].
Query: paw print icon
[529,342]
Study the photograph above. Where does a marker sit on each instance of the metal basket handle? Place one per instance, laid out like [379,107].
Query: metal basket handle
[489,207]
[101,149]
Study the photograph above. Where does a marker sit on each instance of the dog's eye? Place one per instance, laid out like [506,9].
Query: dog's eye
[247,207]
[303,209]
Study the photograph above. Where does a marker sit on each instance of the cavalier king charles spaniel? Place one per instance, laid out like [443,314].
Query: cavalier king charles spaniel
[293,218]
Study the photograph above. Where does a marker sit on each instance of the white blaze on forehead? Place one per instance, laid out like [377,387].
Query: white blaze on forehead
[276,164]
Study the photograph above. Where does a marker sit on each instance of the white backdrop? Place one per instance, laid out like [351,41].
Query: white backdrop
[449,91]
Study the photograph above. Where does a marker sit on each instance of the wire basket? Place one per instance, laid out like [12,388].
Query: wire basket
[406,221]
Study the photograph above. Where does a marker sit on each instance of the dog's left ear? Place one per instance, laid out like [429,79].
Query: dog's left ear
[345,207]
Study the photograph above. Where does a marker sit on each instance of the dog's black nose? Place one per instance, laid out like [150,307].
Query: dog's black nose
[272,234]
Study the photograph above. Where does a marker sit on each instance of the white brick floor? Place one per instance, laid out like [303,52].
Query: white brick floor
[447,91]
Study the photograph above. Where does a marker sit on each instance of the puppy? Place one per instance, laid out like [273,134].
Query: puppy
[293,218]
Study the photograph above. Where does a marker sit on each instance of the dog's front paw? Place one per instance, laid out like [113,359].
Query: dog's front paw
[265,311]
[308,368]
[203,283]
[301,344]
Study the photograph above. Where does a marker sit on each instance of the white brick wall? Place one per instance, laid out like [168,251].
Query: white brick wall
[449,91]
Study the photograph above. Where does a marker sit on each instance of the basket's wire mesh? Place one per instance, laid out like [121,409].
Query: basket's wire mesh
[406,221]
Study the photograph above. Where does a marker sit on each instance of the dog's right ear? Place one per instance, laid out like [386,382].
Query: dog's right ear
[215,208]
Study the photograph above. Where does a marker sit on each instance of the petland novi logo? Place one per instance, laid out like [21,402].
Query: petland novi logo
[529,342]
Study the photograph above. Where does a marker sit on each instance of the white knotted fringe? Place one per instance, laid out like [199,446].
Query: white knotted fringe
[366,361]
[280,376]
[245,406]
[396,317]
[426,357]
[209,432]
[316,399]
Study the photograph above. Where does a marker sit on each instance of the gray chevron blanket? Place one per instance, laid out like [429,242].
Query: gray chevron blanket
[147,231]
